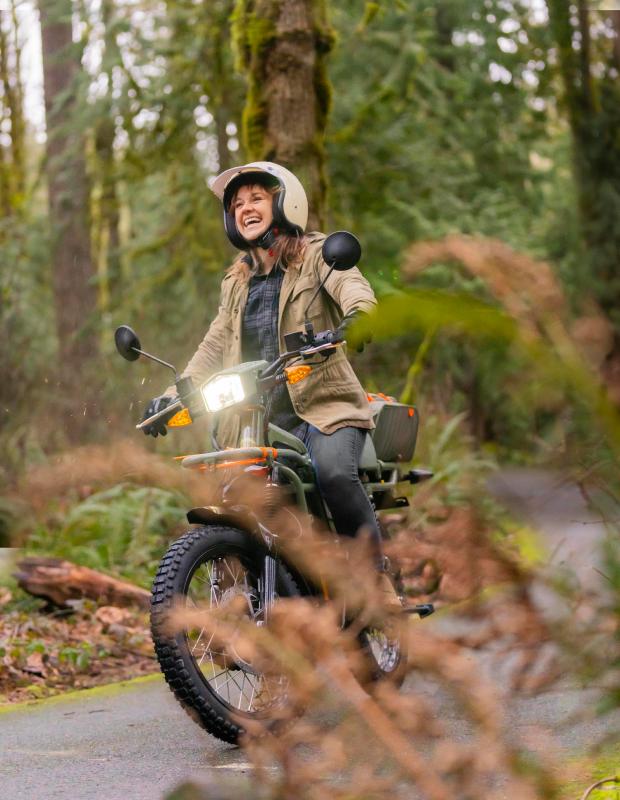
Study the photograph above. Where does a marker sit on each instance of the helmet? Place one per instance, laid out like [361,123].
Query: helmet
[290,205]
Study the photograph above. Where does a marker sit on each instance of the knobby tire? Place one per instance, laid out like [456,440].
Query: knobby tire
[180,670]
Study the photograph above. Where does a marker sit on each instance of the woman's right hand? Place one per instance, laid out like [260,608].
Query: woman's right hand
[158,427]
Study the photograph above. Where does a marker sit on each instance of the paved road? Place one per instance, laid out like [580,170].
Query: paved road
[572,534]
[135,742]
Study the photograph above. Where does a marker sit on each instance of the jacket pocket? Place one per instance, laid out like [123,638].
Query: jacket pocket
[299,300]
[303,284]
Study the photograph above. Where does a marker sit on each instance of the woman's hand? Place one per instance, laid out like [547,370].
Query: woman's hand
[158,427]
[347,322]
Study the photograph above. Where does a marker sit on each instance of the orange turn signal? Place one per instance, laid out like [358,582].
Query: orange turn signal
[296,374]
[181,418]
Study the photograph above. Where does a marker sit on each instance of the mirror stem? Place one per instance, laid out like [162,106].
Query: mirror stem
[321,285]
[159,361]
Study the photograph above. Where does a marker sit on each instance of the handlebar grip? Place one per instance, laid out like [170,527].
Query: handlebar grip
[173,407]
[328,337]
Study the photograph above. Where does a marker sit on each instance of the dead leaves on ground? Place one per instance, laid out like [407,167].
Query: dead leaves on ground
[42,654]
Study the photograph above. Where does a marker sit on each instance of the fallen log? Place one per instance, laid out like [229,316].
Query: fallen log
[58,581]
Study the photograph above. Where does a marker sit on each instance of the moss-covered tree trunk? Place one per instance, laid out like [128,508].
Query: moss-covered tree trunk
[221,83]
[73,279]
[282,47]
[589,69]
[106,212]
[12,157]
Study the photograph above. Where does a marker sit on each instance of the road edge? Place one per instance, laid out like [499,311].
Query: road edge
[106,690]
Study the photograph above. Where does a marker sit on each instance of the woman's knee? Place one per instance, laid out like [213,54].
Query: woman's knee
[333,479]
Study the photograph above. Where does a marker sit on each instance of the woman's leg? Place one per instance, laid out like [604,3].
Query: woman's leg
[335,458]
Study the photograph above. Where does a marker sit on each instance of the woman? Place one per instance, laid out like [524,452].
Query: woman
[264,296]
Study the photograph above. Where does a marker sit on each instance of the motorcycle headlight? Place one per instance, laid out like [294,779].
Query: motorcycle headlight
[222,391]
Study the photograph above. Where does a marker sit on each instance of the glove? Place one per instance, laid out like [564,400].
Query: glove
[347,323]
[159,426]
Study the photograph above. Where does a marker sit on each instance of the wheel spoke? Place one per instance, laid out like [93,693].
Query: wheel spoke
[234,681]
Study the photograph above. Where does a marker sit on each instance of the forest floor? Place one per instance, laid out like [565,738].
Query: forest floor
[45,653]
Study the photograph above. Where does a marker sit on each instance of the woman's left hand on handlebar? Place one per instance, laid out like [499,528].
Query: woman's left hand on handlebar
[158,427]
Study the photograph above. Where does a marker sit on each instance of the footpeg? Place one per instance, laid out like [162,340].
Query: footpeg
[418,476]
[423,610]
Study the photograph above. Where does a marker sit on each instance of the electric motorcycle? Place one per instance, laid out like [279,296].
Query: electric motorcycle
[231,552]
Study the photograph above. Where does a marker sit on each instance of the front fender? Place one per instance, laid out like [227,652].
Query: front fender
[227,515]
[241,517]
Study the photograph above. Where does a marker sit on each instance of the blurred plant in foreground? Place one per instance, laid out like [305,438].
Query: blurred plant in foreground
[384,743]
[360,739]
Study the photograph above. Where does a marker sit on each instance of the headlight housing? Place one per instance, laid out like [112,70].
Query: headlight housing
[222,391]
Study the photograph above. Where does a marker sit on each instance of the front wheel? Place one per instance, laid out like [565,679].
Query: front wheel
[207,567]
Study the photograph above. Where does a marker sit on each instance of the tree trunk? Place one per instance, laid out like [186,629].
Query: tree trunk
[59,581]
[75,293]
[221,83]
[108,216]
[592,103]
[283,48]
[444,30]
[13,166]
[107,213]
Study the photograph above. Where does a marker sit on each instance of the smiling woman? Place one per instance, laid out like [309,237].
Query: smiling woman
[252,207]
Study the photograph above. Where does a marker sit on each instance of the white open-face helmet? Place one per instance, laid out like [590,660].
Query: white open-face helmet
[290,204]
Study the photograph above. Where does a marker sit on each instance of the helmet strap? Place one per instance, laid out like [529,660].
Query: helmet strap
[267,240]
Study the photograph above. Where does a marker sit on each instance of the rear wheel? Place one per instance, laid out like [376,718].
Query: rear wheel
[207,567]
[386,652]
[385,645]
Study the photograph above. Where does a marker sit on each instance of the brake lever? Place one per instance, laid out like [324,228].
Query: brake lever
[176,406]
[327,349]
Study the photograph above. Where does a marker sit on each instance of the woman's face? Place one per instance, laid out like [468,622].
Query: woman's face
[252,207]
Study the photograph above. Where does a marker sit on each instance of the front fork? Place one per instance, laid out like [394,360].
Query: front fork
[268,586]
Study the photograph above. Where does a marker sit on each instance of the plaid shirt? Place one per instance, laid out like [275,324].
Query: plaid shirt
[260,339]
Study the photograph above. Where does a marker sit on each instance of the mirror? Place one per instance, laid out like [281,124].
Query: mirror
[341,250]
[127,342]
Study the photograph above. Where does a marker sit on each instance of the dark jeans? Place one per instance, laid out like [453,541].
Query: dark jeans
[336,458]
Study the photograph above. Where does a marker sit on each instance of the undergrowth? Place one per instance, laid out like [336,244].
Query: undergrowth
[122,530]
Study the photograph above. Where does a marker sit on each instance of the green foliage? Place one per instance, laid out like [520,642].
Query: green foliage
[26,312]
[459,470]
[444,117]
[588,63]
[78,656]
[426,138]
[555,368]
[253,32]
[122,530]
[447,117]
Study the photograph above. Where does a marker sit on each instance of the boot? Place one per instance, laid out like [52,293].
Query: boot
[391,600]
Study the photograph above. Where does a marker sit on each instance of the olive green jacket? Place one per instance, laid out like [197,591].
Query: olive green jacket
[331,396]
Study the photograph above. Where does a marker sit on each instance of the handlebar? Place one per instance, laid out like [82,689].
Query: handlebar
[323,342]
